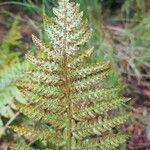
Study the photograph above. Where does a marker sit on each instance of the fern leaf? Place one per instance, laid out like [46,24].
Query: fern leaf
[45,66]
[111,141]
[42,102]
[78,61]
[10,71]
[64,93]
[99,126]
[44,90]
[23,146]
[38,133]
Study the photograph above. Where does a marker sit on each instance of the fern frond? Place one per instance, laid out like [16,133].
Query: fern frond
[88,83]
[96,95]
[42,90]
[39,133]
[111,141]
[64,93]
[81,73]
[52,117]
[97,109]
[10,71]
[78,61]
[11,38]
[44,78]
[45,66]
[42,102]
[23,146]
[99,126]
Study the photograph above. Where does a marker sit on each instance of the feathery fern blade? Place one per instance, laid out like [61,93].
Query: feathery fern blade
[44,78]
[42,102]
[45,66]
[89,82]
[42,90]
[97,127]
[43,48]
[103,107]
[38,133]
[84,72]
[17,146]
[78,60]
[44,116]
[64,93]
[95,95]
[111,141]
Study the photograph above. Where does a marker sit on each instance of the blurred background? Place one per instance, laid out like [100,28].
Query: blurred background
[121,33]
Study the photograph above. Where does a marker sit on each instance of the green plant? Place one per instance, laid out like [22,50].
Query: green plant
[32,6]
[70,108]
[133,49]
[134,7]
[10,71]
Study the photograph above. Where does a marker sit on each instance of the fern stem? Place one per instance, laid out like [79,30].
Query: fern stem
[67,89]
[57,147]
[69,127]
[69,109]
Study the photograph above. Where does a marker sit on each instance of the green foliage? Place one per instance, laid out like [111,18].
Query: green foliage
[10,40]
[10,71]
[140,45]
[21,145]
[136,7]
[33,6]
[70,108]
[133,53]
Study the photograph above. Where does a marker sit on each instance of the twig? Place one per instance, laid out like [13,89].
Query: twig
[9,122]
